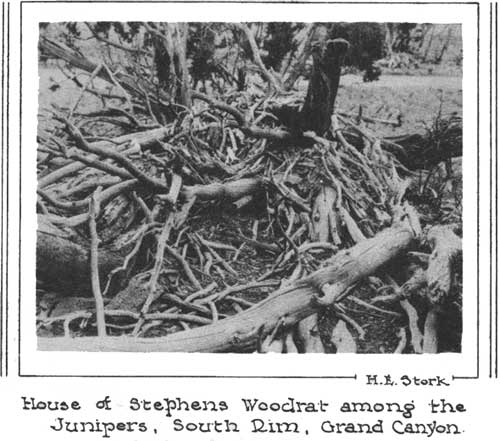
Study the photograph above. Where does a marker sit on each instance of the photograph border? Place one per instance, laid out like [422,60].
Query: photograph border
[354,376]
[493,334]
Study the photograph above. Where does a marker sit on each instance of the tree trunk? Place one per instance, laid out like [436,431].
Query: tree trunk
[179,33]
[318,107]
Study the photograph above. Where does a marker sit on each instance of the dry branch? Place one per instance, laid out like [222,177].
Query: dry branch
[139,139]
[229,191]
[430,338]
[288,305]
[115,156]
[94,264]
[342,339]
[57,50]
[105,197]
[325,216]
[272,80]
[53,250]
[305,39]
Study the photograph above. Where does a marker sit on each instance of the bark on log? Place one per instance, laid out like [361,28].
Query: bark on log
[64,266]
[342,339]
[430,338]
[308,335]
[229,191]
[287,305]
[73,278]
[416,335]
[325,216]
[179,34]
[446,248]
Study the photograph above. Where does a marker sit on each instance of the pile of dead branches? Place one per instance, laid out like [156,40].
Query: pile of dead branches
[239,223]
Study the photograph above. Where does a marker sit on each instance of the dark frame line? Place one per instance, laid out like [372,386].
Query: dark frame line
[2,333]
[491,198]
[496,191]
[7,187]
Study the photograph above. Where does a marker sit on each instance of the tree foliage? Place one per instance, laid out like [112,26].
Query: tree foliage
[366,42]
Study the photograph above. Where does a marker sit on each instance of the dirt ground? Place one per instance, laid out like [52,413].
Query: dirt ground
[417,98]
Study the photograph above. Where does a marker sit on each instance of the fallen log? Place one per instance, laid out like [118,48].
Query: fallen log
[286,306]
[64,265]
[447,247]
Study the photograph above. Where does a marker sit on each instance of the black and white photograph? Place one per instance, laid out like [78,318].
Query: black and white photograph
[228,219]
[249,187]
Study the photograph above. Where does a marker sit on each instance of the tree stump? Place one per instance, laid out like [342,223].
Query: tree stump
[318,107]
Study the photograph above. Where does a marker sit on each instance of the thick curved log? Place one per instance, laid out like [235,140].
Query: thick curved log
[447,247]
[286,306]
[64,265]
